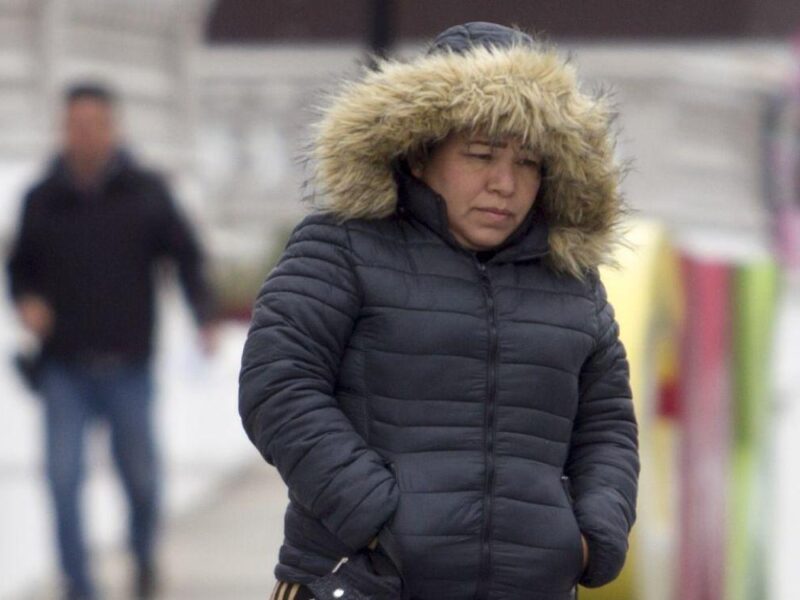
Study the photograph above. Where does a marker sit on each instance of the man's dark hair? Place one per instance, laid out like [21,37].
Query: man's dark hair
[90,90]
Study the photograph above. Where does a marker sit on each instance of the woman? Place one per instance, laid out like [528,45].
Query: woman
[433,366]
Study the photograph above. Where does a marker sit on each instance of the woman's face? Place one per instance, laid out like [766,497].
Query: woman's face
[488,185]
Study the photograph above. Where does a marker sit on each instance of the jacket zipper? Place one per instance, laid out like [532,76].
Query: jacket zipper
[489,418]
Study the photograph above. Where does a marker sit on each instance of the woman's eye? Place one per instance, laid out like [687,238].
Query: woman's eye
[480,155]
[530,162]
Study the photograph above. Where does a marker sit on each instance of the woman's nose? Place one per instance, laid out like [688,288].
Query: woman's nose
[502,179]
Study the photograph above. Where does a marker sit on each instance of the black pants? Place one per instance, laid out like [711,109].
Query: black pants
[296,591]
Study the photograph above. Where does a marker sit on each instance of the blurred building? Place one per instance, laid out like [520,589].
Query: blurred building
[220,95]
[691,123]
[255,106]
[692,110]
[143,48]
[259,21]
[692,120]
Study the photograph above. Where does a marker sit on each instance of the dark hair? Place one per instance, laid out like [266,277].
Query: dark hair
[419,155]
[90,90]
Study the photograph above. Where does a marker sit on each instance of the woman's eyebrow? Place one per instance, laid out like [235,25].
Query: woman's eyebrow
[524,150]
[485,142]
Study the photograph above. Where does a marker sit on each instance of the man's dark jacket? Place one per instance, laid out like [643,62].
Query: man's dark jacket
[92,256]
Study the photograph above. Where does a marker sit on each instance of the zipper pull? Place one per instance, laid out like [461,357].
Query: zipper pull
[340,563]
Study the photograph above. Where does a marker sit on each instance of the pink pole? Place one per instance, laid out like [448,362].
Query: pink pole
[704,425]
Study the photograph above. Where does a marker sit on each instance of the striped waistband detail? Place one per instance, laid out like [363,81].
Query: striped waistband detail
[291,591]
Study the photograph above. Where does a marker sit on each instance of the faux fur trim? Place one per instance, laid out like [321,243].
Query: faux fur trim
[521,90]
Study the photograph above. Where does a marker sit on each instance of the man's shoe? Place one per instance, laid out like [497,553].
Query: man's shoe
[73,592]
[146,587]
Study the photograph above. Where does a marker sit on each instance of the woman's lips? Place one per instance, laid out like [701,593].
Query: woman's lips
[496,214]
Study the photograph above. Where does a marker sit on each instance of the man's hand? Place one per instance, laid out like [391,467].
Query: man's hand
[36,315]
[209,338]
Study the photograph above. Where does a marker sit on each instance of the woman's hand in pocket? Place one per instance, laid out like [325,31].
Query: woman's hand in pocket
[585,547]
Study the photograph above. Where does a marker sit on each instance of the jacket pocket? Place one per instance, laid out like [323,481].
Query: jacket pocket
[566,486]
[386,539]
[365,575]
[387,553]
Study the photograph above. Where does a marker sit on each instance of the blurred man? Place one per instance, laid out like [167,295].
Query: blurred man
[82,278]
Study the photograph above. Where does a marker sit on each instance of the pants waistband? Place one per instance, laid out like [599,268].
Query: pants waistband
[291,591]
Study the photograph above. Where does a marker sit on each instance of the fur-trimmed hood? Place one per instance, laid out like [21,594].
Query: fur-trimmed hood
[522,89]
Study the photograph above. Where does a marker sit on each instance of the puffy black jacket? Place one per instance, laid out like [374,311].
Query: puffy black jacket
[396,380]
[472,410]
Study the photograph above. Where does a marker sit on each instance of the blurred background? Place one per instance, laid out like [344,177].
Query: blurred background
[218,96]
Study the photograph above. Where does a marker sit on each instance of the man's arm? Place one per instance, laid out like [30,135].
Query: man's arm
[24,275]
[176,240]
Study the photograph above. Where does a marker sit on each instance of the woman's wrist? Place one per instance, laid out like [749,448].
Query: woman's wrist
[585,546]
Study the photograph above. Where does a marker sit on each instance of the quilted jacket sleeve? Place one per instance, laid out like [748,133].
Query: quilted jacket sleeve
[301,324]
[604,462]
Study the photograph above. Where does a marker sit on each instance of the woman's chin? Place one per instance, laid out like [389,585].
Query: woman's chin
[483,241]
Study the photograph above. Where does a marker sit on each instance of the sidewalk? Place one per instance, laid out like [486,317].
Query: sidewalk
[223,549]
